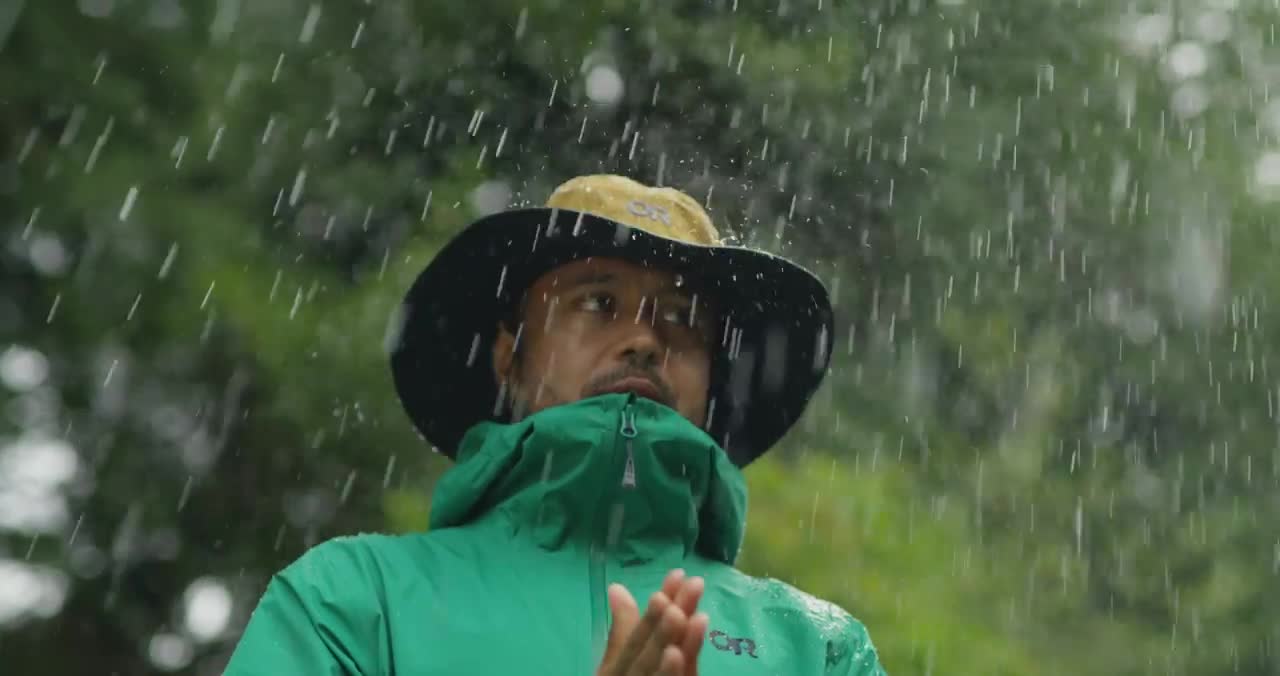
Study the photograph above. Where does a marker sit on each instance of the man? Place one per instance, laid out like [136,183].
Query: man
[600,370]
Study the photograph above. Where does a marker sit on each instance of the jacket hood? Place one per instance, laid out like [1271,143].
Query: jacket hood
[617,470]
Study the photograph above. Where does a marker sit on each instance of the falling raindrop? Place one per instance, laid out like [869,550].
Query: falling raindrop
[98,145]
[213,146]
[129,199]
[309,23]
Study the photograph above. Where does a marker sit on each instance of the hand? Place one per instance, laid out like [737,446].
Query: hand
[666,641]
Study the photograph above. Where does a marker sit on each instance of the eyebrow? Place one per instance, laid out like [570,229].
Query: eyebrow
[590,277]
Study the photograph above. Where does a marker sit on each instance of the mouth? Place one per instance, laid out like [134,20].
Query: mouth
[641,387]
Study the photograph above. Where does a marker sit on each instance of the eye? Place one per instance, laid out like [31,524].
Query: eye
[681,315]
[683,311]
[598,302]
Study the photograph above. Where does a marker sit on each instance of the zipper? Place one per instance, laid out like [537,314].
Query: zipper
[598,552]
[629,433]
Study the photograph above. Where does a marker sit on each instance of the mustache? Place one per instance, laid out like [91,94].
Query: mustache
[603,382]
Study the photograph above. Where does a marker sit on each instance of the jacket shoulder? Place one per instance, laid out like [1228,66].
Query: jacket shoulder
[351,562]
[821,610]
[345,552]
[848,640]
[823,613]
[849,646]
[324,613]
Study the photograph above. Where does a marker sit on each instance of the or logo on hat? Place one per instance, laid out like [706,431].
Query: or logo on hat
[650,211]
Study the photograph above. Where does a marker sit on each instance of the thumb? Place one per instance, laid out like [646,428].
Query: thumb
[626,615]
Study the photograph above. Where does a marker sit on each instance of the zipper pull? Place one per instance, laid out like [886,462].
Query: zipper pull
[629,433]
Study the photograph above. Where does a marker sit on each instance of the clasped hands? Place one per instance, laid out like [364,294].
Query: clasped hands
[665,641]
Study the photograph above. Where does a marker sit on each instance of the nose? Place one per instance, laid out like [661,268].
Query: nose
[641,341]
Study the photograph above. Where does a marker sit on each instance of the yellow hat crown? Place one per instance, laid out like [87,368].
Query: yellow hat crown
[664,212]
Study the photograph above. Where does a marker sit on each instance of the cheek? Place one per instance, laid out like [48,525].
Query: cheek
[689,372]
[562,354]
[690,377]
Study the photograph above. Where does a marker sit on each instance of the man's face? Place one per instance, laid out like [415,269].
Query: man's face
[605,325]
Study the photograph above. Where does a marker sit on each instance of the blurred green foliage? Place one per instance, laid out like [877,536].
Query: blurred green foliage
[1047,445]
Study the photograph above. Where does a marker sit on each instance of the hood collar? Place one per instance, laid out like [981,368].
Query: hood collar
[557,477]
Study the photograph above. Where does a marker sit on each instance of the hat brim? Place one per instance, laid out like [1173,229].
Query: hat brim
[773,356]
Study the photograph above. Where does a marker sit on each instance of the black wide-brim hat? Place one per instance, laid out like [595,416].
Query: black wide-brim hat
[774,317]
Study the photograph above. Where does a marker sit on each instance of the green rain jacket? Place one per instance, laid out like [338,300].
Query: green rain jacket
[528,529]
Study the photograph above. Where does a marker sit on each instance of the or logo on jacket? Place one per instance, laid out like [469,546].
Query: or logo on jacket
[722,641]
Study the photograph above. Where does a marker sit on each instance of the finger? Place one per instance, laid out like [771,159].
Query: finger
[694,638]
[625,618]
[632,651]
[672,662]
[689,595]
[623,607]
[672,582]
[669,631]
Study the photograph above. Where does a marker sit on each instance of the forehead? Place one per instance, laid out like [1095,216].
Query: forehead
[610,271]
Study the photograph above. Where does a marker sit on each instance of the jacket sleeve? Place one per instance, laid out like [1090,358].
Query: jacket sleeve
[320,616]
[853,654]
